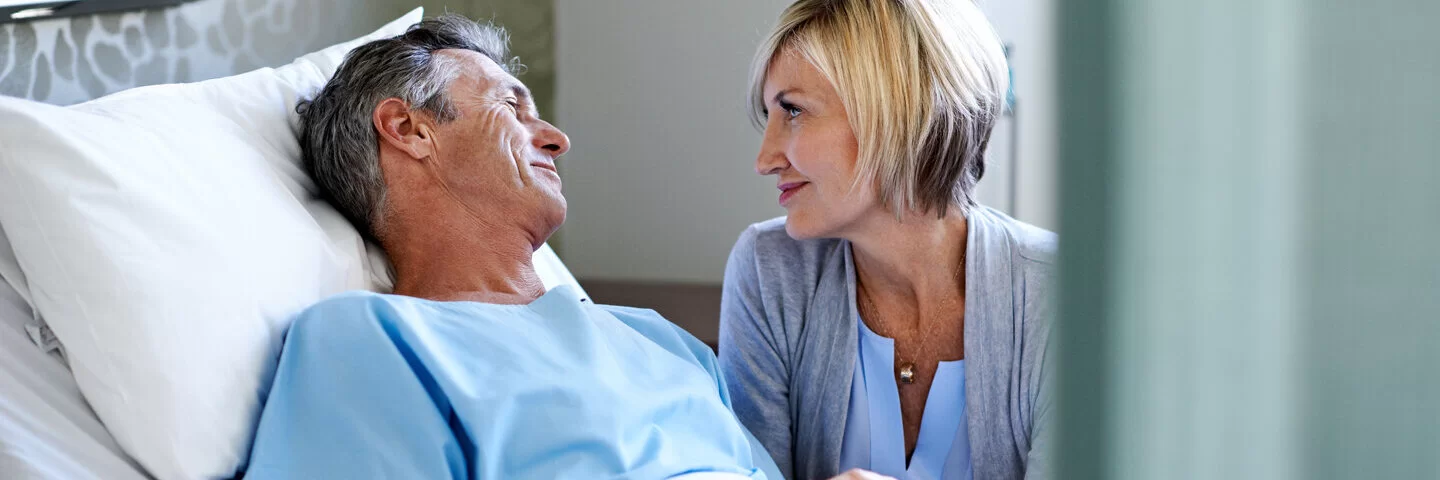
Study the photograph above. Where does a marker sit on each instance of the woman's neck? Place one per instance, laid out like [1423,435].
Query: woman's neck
[914,257]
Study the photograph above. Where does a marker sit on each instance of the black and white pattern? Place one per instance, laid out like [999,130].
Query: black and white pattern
[70,60]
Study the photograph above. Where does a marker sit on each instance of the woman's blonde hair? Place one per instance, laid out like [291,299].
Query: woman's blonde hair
[922,81]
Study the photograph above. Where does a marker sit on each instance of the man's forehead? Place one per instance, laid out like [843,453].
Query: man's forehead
[482,71]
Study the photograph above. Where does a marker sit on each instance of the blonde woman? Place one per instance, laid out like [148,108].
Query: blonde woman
[889,323]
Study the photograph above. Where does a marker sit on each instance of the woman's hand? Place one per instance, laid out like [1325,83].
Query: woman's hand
[858,474]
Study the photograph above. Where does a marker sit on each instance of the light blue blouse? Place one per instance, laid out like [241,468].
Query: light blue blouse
[875,432]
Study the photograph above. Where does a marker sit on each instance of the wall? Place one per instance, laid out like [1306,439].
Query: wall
[660,179]
[1027,28]
[531,24]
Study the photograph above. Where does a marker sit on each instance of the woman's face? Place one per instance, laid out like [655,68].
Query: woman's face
[811,150]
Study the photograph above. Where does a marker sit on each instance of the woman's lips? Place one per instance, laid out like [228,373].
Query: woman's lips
[788,190]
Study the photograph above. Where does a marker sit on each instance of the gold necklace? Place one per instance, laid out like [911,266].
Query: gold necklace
[905,370]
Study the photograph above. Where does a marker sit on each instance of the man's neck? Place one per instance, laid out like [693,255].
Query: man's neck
[454,261]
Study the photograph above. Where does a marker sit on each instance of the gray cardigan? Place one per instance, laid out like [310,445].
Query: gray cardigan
[788,343]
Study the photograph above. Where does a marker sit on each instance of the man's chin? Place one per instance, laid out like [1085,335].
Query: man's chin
[559,208]
[555,217]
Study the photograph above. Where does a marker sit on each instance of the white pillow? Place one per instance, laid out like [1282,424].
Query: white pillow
[46,429]
[10,273]
[168,234]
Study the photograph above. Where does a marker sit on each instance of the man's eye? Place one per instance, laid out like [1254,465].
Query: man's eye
[516,108]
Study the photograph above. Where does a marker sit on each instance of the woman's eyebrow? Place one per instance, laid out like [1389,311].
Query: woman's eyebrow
[783,96]
[780,96]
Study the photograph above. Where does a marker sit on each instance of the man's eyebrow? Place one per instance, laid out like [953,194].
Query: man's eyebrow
[519,90]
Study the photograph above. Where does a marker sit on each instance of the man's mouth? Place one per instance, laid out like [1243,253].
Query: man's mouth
[545,166]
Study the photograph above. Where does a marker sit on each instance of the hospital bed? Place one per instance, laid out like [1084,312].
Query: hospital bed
[48,430]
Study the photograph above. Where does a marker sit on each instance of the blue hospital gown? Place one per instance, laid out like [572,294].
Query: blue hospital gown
[386,386]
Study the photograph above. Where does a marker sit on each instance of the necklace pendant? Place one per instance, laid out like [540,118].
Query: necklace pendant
[907,373]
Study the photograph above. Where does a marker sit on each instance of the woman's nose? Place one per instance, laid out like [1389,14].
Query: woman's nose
[550,139]
[771,159]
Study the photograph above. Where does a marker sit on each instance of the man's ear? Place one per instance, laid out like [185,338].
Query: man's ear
[406,130]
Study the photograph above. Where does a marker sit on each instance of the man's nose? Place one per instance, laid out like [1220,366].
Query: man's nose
[550,139]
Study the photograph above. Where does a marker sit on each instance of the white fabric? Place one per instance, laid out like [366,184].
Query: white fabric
[46,429]
[10,273]
[167,234]
[553,273]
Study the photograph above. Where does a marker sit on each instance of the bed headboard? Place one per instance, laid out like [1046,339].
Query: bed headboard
[73,59]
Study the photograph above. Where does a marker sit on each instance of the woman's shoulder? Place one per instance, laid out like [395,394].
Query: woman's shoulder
[768,245]
[1028,243]
[768,269]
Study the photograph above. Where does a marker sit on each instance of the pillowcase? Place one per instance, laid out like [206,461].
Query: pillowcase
[46,429]
[10,273]
[167,234]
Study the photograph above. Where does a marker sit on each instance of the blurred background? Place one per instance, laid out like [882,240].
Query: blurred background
[1247,192]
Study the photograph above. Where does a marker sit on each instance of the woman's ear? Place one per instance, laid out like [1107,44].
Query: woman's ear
[404,129]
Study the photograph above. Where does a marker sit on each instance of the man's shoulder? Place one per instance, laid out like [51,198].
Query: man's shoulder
[656,328]
[349,299]
[345,302]
[649,324]
[351,311]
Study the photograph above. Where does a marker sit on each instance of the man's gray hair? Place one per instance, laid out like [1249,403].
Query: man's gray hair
[338,140]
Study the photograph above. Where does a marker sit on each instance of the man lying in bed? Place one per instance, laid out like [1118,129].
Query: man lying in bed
[471,369]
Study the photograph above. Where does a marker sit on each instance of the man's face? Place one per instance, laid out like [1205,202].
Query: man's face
[497,157]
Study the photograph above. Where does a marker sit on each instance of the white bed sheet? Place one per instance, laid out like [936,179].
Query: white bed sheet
[47,431]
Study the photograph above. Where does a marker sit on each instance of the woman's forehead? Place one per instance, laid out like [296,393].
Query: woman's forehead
[792,74]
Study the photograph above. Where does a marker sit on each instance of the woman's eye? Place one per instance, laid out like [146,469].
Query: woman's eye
[791,111]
